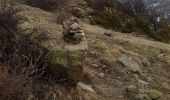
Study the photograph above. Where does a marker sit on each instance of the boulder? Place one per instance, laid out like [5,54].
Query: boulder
[67,63]
[25,26]
[130,63]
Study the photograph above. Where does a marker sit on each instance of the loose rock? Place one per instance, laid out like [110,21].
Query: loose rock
[101,75]
[95,65]
[86,87]
[75,26]
[108,33]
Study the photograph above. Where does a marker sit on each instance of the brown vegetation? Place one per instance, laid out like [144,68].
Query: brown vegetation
[46,4]
[21,59]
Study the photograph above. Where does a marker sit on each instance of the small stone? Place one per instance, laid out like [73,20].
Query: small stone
[75,26]
[118,77]
[31,97]
[121,97]
[132,89]
[104,66]
[101,75]
[87,59]
[142,97]
[95,65]
[108,33]
[154,94]
[161,55]
[86,87]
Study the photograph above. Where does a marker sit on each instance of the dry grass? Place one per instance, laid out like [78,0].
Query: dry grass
[21,60]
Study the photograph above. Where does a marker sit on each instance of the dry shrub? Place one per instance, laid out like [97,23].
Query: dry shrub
[47,5]
[18,51]
[23,60]
[99,4]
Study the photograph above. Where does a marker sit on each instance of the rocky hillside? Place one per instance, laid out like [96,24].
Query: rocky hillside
[105,65]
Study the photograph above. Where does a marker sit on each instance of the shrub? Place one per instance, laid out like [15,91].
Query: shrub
[128,27]
[22,61]
[163,32]
[109,18]
[18,51]
[47,5]
[8,18]
[142,25]
[99,5]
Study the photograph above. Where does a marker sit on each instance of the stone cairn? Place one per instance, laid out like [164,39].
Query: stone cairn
[72,32]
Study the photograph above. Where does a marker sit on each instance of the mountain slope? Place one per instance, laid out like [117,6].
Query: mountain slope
[106,69]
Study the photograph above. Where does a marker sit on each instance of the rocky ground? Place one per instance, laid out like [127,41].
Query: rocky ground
[117,66]
[120,61]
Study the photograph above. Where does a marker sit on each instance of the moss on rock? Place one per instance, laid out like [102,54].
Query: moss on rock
[155,94]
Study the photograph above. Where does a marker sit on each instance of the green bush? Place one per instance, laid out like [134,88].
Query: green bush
[109,18]
[163,33]
[143,25]
[128,27]
[117,20]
